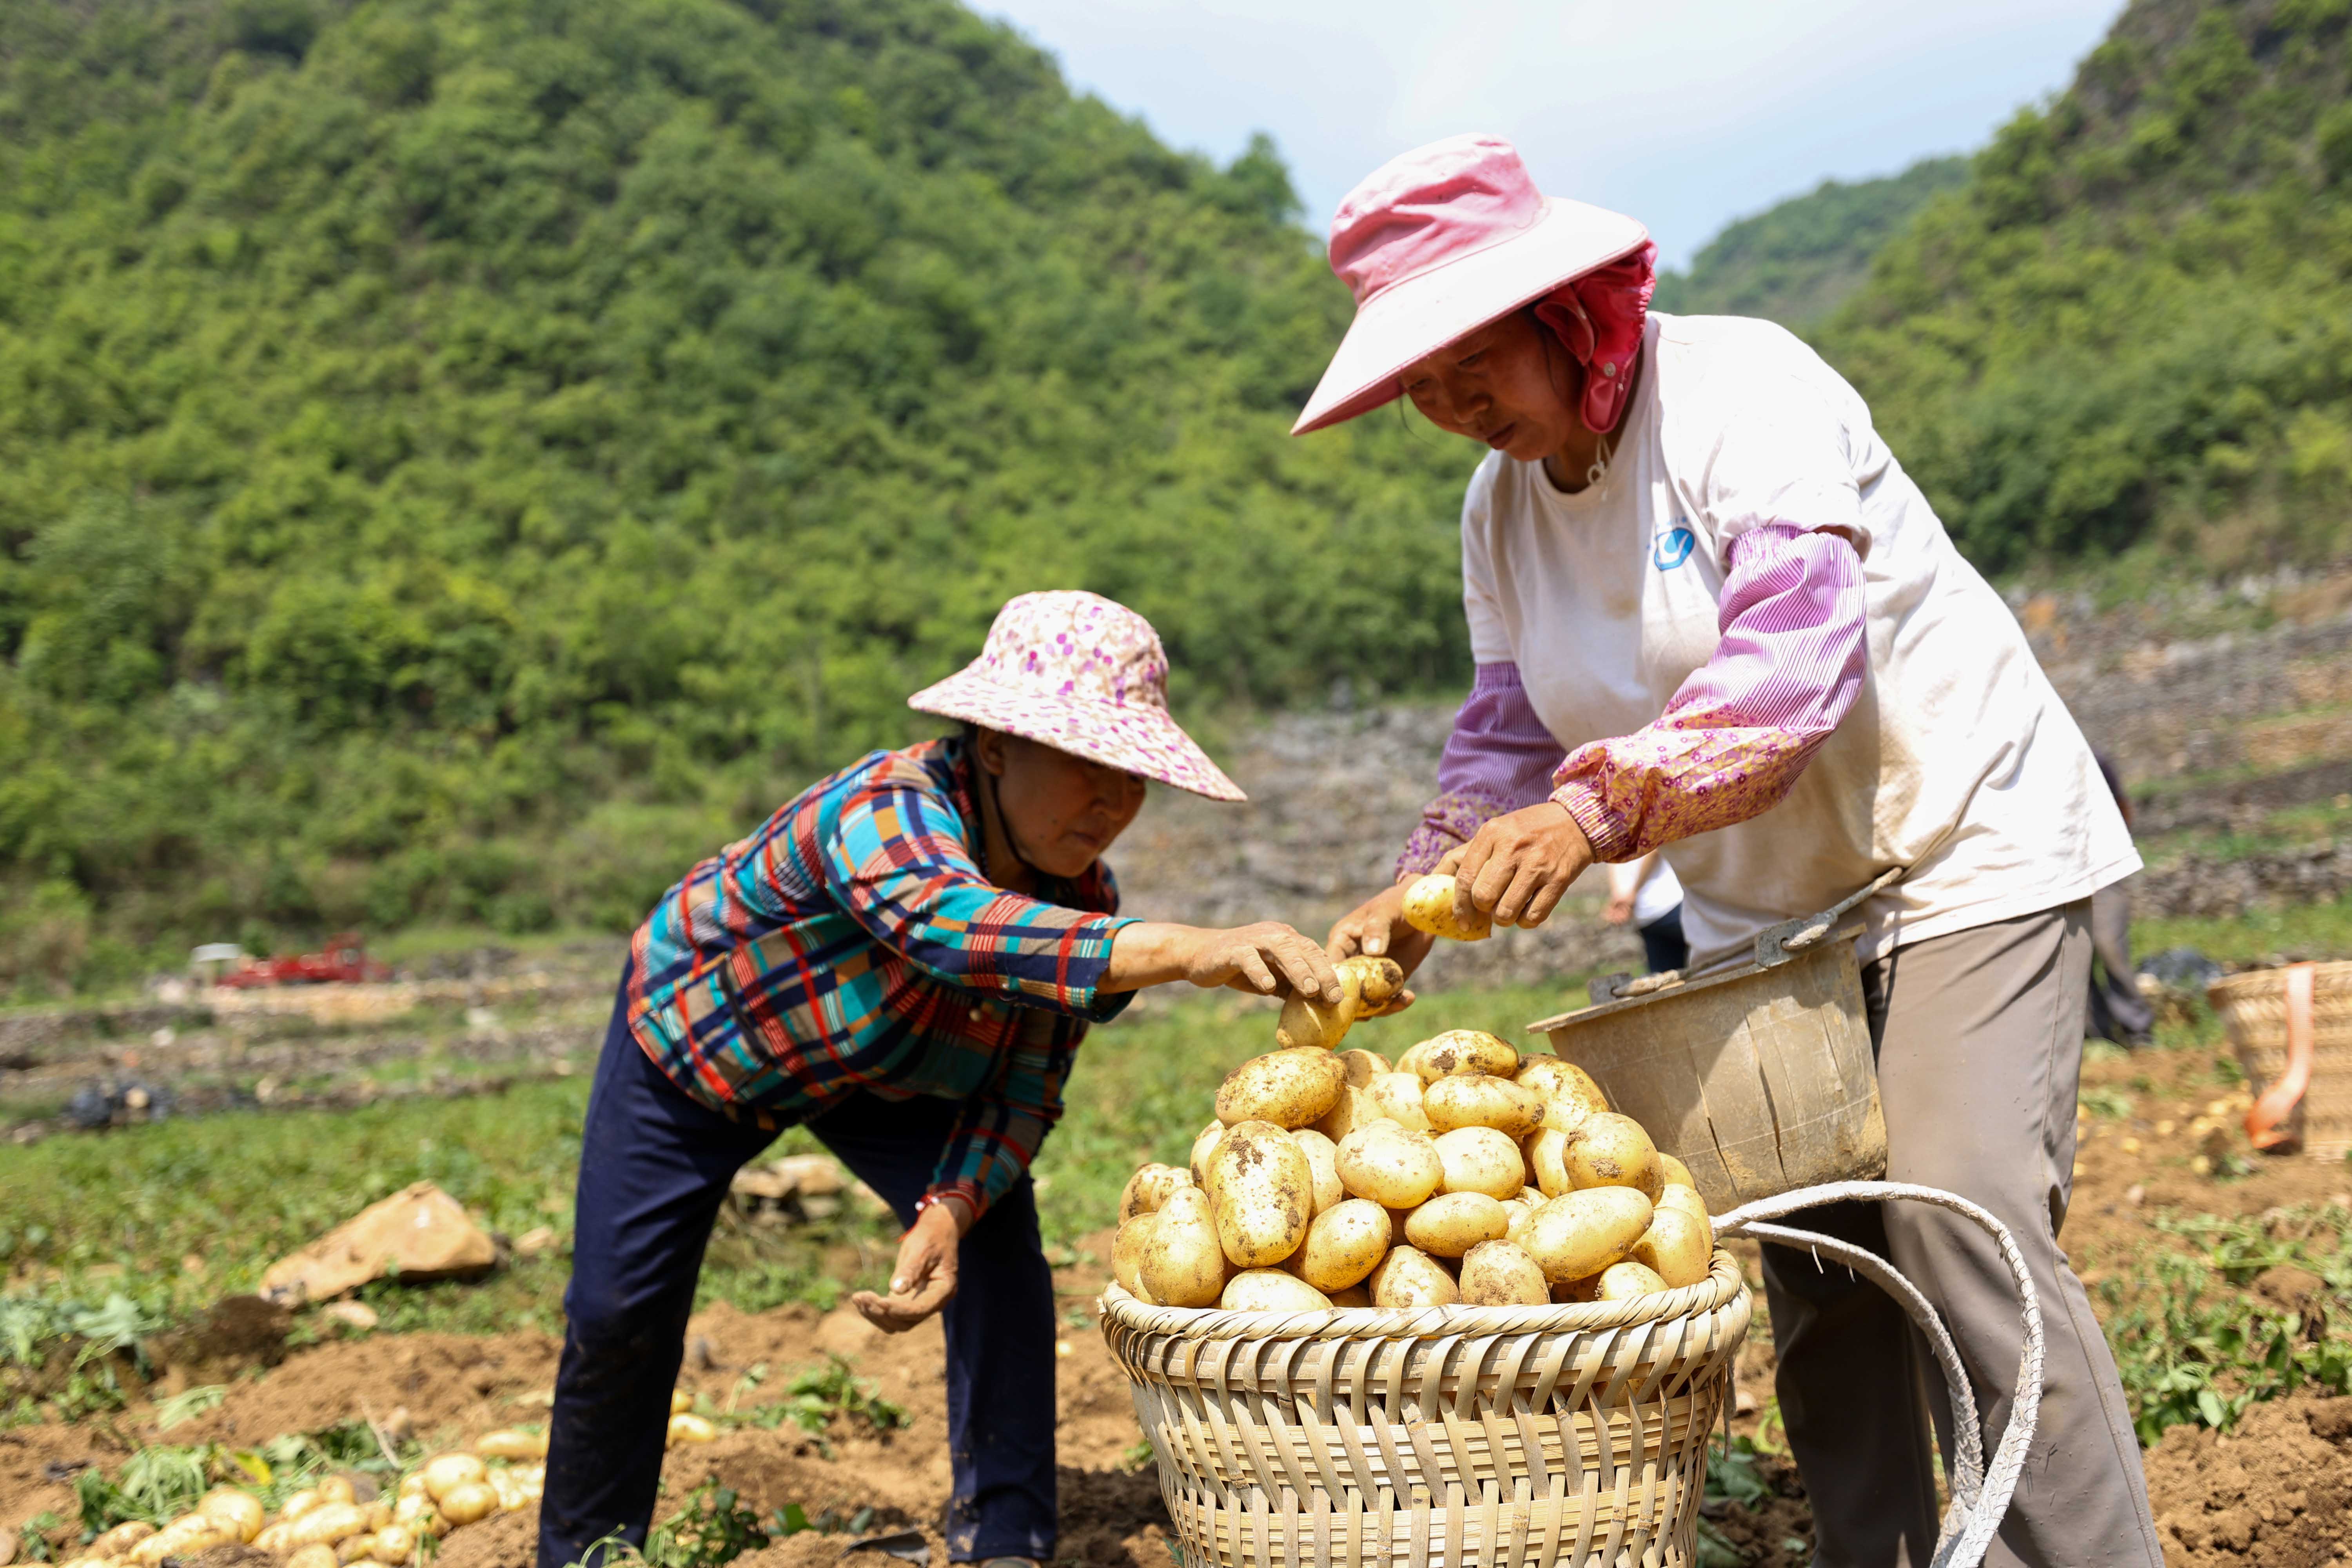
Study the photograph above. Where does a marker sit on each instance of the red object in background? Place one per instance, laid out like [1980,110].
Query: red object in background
[343,961]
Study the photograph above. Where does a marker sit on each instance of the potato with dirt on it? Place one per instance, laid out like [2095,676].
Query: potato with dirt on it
[119,1541]
[394,1543]
[1408,1277]
[337,1489]
[1367,984]
[1292,1088]
[299,1503]
[1451,1223]
[1394,1168]
[185,1537]
[1343,1246]
[1676,1248]
[1557,1079]
[1271,1290]
[1350,1111]
[329,1522]
[1582,1233]
[445,1471]
[314,1555]
[1479,1099]
[1623,1281]
[1205,1143]
[1459,1051]
[1146,1190]
[241,1510]
[1397,1096]
[1673,1173]
[1360,1067]
[1480,1160]
[1430,907]
[1612,1151]
[477,1500]
[353,1549]
[1675,1197]
[1262,1193]
[1322,1166]
[1127,1249]
[685,1428]
[1184,1265]
[1501,1274]
[1546,1157]
[510,1444]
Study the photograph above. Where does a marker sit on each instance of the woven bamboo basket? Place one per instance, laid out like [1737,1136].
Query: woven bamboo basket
[1498,1436]
[2291,1031]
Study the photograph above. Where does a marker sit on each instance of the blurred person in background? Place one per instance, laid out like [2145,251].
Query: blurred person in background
[1644,892]
[1690,562]
[904,959]
[2117,1011]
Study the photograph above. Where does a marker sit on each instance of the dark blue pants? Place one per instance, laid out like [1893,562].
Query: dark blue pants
[654,1168]
[1663,946]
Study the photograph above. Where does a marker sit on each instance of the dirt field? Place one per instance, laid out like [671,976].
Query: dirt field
[2277,1493]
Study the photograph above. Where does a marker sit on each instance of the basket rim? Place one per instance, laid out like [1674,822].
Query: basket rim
[2325,972]
[1723,1285]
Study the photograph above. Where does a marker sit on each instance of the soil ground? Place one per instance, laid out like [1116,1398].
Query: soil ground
[2277,1493]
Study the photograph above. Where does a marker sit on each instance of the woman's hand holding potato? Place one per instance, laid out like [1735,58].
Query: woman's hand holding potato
[1266,959]
[1377,928]
[1516,866]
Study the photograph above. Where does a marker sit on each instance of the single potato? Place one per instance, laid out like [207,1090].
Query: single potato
[443,1471]
[1522,1214]
[1203,1145]
[1149,1188]
[1460,1051]
[1480,1160]
[1675,1247]
[1451,1223]
[1408,1277]
[476,1501]
[1674,1173]
[1322,1166]
[1547,1154]
[1397,1096]
[1183,1265]
[1353,1295]
[1271,1290]
[1360,1067]
[1612,1151]
[1292,1088]
[1556,1079]
[1344,1243]
[1499,1274]
[1366,984]
[1394,1168]
[1127,1250]
[240,1508]
[1262,1193]
[1582,1233]
[1686,1199]
[1620,1281]
[1567,1290]
[1350,1111]
[1476,1099]
[513,1444]
[313,1554]
[1429,907]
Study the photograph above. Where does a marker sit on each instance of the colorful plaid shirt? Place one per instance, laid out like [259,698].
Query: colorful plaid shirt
[853,944]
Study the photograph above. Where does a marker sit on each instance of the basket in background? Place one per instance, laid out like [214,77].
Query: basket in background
[1494,1437]
[2291,1030]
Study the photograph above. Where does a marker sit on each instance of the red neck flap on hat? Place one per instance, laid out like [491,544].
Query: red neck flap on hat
[1599,317]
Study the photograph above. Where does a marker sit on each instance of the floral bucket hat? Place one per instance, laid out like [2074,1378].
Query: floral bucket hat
[1083,675]
[1438,242]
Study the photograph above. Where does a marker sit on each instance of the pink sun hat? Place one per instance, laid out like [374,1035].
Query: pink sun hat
[1444,239]
[1082,675]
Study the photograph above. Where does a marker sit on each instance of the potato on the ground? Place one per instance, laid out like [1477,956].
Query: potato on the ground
[1271,1290]
[1397,1096]
[685,1428]
[1127,1250]
[337,1489]
[1621,1281]
[443,1471]
[1410,1277]
[507,1444]
[355,1548]
[1322,1166]
[119,1541]
[1292,1088]
[1183,1264]
[315,1554]
[1675,1247]
[1458,1051]
[1479,1099]
[1262,1193]
[1451,1223]
[331,1522]
[1612,1151]
[1582,1233]
[1344,1243]
[241,1510]
[394,1543]
[1674,1196]
[1394,1168]
[476,1501]
[1429,907]
[1145,1191]
[1501,1274]
[1547,1154]
[1673,1173]
[1480,1160]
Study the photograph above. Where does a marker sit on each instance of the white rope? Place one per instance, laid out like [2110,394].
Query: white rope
[1975,1512]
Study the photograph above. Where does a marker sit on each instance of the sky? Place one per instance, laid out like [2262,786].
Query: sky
[1686,113]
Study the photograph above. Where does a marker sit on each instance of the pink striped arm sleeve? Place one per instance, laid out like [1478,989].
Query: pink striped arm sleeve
[1740,731]
[1500,758]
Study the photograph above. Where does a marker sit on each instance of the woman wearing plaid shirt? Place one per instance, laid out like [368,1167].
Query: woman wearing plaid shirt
[904,959]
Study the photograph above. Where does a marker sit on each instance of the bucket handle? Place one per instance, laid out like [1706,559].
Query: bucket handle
[1775,945]
[2278,1102]
[1980,1494]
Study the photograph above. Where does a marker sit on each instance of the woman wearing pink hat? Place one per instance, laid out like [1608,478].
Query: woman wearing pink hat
[1712,617]
[904,959]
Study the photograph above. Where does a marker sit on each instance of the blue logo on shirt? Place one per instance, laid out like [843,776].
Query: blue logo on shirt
[1672,548]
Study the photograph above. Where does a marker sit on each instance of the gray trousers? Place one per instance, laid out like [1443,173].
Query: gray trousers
[1979,1040]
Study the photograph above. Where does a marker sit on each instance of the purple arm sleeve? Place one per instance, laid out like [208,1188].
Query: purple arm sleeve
[1498,758]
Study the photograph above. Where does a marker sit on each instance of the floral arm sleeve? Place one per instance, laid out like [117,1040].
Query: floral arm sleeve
[1500,758]
[1742,728]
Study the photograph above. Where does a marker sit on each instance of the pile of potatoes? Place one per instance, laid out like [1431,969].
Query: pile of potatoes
[1462,1173]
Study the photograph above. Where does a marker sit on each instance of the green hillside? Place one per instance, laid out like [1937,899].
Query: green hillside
[2132,329]
[1795,262]
[465,459]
